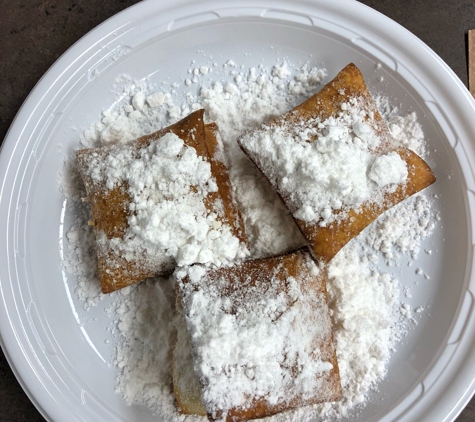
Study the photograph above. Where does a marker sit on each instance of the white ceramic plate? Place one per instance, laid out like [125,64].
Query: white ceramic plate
[58,352]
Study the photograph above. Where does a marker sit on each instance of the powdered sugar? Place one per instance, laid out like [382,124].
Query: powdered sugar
[400,229]
[79,254]
[167,221]
[365,323]
[259,334]
[257,100]
[145,337]
[388,169]
[250,101]
[331,173]
[404,128]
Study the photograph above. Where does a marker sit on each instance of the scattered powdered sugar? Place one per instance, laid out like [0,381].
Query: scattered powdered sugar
[365,324]
[365,331]
[401,228]
[145,338]
[79,256]
[81,260]
[405,129]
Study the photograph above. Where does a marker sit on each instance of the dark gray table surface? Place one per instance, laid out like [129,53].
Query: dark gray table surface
[34,33]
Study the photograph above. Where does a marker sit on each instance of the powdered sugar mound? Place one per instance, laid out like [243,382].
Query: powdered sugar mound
[331,173]
[119,130]
[158,99]
[167,222]
[388,169]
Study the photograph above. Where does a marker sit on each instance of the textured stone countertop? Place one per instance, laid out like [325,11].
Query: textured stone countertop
[34,33]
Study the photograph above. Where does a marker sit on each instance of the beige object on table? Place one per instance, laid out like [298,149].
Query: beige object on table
[471,61]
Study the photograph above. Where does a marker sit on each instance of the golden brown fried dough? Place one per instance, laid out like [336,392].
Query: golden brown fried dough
[110,208]
[349,83]
[250,281]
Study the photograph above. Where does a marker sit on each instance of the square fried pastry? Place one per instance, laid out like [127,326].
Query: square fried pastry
[261,336]
[335,164]
[160,201]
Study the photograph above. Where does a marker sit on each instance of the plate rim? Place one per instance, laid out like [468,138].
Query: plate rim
[87,42]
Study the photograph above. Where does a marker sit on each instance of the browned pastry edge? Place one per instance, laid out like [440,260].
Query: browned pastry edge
[187,404]
[219,169]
